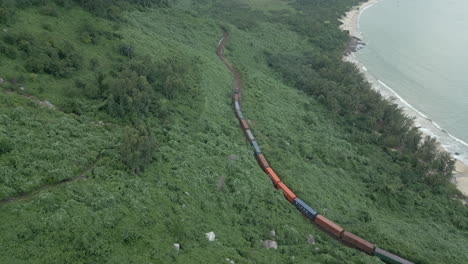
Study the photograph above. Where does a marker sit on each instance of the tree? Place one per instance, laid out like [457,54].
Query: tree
[137,148]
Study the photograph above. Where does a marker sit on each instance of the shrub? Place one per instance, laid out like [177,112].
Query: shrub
[49,11]
[127,50]
[5,146]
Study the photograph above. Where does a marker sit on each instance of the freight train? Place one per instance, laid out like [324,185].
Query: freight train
[324,224]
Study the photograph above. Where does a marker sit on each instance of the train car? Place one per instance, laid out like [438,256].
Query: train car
[239,114]
[354,241]
[256,147]
[237,106]
[244,124]
[389,257]
[288,194]
[250,136]
[236,98]
[274,178]
[328,226]
[305,209]
[262,161]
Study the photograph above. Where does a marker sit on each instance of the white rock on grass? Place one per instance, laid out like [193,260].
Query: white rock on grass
[177,246]
[211,236]
[270,244]
[310,239]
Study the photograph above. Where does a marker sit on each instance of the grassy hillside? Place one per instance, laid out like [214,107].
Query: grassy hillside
[143,109]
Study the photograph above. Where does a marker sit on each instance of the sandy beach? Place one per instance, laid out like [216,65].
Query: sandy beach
[351,19]
[351,24]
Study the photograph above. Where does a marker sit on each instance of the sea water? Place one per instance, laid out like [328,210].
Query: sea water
[417,52]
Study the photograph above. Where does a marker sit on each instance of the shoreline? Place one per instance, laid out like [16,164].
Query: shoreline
[350,24]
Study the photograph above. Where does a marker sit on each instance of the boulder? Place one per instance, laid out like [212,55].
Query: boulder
[210,236]
[177,246]
[270,244]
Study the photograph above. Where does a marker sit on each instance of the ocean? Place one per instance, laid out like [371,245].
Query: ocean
[417,52]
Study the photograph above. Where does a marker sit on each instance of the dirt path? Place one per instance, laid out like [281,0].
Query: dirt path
[220,53]
[30,195]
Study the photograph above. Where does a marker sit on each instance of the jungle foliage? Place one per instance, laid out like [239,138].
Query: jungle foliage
[117,138]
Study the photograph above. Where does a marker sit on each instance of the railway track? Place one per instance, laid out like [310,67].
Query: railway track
[324,224]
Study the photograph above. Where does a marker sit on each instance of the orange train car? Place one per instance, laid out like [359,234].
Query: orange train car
[290,196]
[329,226]
[274,178]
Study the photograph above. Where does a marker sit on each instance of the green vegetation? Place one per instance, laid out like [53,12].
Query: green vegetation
[142,108]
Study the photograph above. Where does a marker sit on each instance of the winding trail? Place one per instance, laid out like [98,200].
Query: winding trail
[327,226]
[31,194]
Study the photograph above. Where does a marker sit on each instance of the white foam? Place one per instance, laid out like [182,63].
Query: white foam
[458,140]
[403,100]
[427,131]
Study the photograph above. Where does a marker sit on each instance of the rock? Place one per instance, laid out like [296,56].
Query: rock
[221,183]
[456,153]
[317,248]
[100,123]
[188,194]
[177,246]
[5,30]
[270,244]
[272,233]
[22,88]
[232,157]
[230,261]
[310,239]
[48,104]
[1,81]
[211,236]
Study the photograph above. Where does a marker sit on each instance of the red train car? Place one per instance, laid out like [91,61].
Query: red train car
[244,125]
[354,241]
[329,226]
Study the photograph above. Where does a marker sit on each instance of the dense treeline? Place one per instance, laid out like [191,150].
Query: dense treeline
[370,118]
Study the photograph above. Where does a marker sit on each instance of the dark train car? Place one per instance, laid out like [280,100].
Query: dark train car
[354,241]
[389,257]
[328,226]
[290,196]
[250,136]
[263,162]
[239,114]
[237,106]
[256,147]
[305,209]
